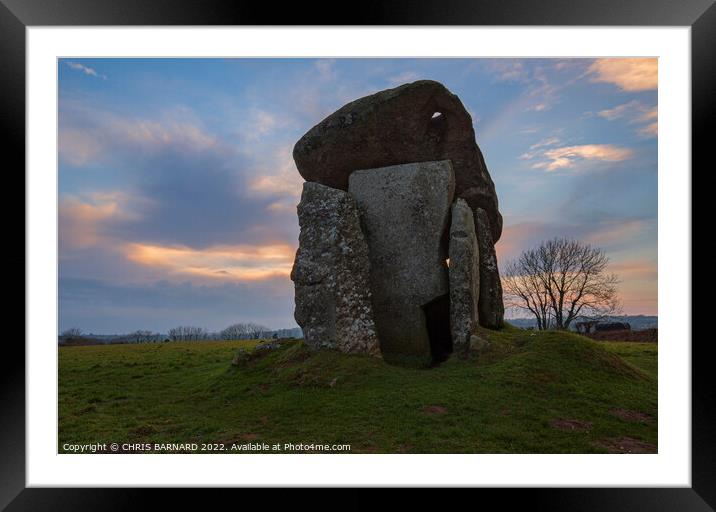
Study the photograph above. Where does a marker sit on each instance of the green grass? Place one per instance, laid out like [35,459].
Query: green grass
[502,400]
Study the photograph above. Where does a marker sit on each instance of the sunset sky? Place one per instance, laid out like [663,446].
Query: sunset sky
[178,192]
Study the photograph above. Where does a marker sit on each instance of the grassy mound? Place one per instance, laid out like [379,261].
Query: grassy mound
[527,392]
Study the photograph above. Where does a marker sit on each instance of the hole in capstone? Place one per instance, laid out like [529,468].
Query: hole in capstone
[437,126]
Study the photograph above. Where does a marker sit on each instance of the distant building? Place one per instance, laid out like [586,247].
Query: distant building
[612,326]
[586,327]
[592,326]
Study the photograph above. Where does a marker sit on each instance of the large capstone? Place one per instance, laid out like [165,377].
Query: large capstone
[331,273]
[464,270]
[490,306]
[416,122]
[404,211]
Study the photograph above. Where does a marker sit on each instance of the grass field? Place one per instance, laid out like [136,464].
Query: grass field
[529,392]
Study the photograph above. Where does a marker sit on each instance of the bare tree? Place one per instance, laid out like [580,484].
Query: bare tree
[561,280]
[187,333]
[241,331]
[72,332]
[232,332]
[141,336]
[256,331]
[524,290]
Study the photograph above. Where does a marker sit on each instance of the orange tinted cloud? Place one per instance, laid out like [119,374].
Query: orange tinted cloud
[635,113]
[78,147]
[635,269]
[638,287]
[517,237]
[650,130]
[81,219]
[566,157]
[221,262]
[281,180]
[628,74]
[634,110]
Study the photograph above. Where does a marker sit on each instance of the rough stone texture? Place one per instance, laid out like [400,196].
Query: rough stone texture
[398,126]
[464,273]
[331,273]
[490,306]
[404,211]
[478,343]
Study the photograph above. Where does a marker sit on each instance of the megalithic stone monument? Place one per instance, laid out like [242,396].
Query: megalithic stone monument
[380,275]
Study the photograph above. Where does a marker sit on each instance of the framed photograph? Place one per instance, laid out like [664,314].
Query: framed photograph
[439,247]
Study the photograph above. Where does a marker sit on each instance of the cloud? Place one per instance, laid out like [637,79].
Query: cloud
[629,243]
[638,286]
[613,232]
[538,107]
[650,130]
[544,94]
[257,124]
[629,74]
[508,70]
[96,240]
[404,77]
[303,94]
[619,111]
[326,68]
[100,306]
[192,193]
[551,141]
[86,221]
[536,147]
[635,269]
[516,237]
[635,112]
[520,236]
[535,87]
[217,263]
[202,185]
[265,122]
[567,157]
[88,136]
[539,89]
[78,147]
[280,178]
[85,69]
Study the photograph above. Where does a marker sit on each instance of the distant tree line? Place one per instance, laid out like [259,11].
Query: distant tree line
[241,331]
[72,332]
[237,331]
[143,336]
[187,333]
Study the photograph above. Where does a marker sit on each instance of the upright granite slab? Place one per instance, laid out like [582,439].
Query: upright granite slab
[331,273]
[404,212]
[464,270]
[490,306]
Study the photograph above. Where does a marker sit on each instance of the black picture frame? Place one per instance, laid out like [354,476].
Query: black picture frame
[700,15]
